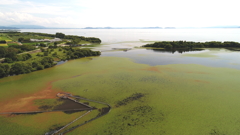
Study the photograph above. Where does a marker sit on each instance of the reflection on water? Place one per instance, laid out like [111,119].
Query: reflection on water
[131,38]
[176,50]
[214,57]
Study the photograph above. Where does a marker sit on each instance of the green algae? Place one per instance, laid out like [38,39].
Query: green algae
[178,99]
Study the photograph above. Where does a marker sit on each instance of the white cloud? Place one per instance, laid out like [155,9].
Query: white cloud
[82,13]
[8,2]
[24,18]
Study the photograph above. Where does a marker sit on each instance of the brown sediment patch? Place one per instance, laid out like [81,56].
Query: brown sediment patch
[155,69]
[201,81]
[25,103]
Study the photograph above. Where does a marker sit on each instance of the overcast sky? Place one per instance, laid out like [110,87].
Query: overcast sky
[120,13]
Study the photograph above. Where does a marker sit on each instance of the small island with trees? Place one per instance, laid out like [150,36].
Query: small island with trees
[22,53]
[192,45]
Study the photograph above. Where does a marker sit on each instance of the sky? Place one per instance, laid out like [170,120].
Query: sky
[120,13]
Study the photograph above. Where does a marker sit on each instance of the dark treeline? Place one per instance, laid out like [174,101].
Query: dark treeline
[189,44]
[44,61]
[74,53]
[25,67]
[77,39]
[12,51]
[24,37]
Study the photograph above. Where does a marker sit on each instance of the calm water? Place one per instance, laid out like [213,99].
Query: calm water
[120,35]
[132,38]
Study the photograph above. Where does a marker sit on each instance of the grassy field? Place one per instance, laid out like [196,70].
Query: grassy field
[4,37]
[3,45]
[33,36]
[184,99]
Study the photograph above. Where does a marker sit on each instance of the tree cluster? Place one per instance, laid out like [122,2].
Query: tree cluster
[25,67]
[23,47]
[24,40]
[77,39]
[189,44]
[10,53]
[74,53]
[93,40]
[60,35]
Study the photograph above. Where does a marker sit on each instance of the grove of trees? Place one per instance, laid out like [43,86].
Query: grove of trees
[191,45]
[24,67]
[10,53]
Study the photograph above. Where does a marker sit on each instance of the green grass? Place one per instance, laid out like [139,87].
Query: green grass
[9,44]
[34,43]
[4,37]
[3,45]
[16,37]
[185,99]
[30,124]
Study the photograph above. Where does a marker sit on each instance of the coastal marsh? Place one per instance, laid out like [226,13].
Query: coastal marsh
[177,98]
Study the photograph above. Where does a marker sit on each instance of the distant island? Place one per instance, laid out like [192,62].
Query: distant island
[156,27]
[123,28]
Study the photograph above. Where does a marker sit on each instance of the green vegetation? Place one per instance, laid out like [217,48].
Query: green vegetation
[188,44]
[26,63]
[169,99]
[40,61]
[30,124]
[47,104]
[3,45]
[12,44]
[29,35]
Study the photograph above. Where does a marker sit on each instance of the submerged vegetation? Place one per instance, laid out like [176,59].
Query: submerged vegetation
[170,99]
[154,99]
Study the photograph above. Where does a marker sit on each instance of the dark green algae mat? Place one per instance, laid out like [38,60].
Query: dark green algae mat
[178,99]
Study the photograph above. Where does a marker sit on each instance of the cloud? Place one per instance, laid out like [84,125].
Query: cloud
[82,13]
[24,18]
[9,2]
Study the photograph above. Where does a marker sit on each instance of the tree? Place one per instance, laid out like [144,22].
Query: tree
[2,73]
[75,41]
[3,52]
[47,62]
[168,46]
[20,39]
[60,35]
[45,53]
[17,68]
[4,70]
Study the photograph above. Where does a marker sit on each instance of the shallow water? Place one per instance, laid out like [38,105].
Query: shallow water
[209,57]
[184,93]
[132,38]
